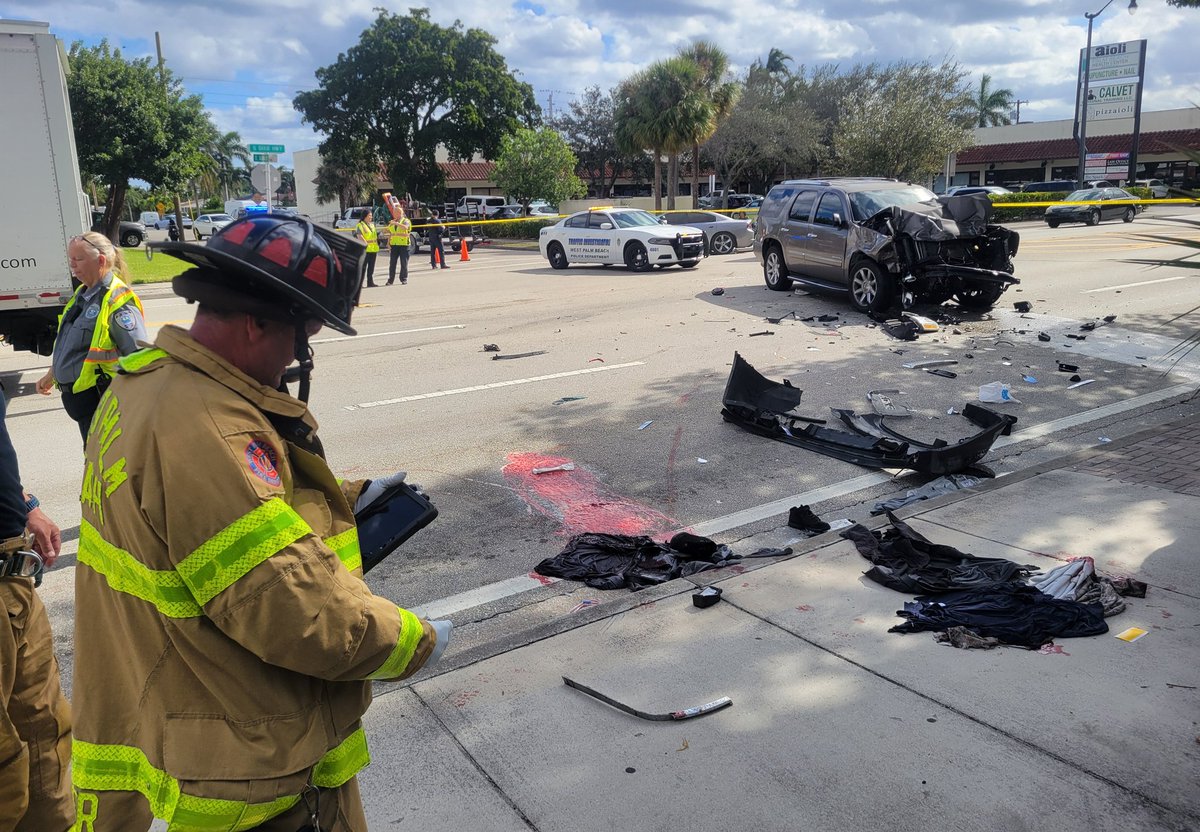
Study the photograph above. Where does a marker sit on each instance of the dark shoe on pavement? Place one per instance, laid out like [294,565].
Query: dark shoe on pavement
[445,267]
[802,517]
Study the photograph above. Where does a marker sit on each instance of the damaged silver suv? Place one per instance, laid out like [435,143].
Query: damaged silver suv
[884,242]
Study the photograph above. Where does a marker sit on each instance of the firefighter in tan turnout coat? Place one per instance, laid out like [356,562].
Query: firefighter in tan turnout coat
[225,640]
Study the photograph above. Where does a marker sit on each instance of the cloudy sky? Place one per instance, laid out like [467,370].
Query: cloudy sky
[249,58]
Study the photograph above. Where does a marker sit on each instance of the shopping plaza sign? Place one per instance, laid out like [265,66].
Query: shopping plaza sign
[1114,73]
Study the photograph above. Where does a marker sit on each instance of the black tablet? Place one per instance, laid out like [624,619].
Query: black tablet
[394,517]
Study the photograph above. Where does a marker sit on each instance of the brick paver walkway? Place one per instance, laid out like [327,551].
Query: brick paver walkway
[1170,459]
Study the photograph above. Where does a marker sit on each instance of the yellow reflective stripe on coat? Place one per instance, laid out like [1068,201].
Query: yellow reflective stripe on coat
[125,768]
[345,546]
[123,572]
[410,636]
[142,358]
[241,546]
[345,760]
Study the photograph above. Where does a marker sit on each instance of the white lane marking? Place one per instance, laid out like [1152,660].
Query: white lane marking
[1141,283]
[523,583]
[360,336]
[479,597]
[493,385]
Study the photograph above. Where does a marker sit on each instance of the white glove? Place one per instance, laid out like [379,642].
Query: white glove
[442,628]
[375,488]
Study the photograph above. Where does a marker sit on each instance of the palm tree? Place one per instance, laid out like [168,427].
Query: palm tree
[776,60]
[717,94]
[993,106]
[226,149]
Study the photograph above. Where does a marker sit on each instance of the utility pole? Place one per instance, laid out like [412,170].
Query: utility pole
[1019,103]
[162,76]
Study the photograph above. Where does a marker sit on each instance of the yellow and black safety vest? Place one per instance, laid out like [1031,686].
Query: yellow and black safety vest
[369,234]
[102,352]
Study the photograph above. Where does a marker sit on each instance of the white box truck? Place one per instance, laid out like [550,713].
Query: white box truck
[42,205]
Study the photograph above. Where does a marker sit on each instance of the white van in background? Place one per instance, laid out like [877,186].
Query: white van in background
[479,205]
[149,218]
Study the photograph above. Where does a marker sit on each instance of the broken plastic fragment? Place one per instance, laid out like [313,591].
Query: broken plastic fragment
[1043,336]
[566,466]
[718,291]
[645,424]
[924,365]
[1081,383]
[996,391]
[1030,379]
[1104,440]
[566,399]
[764,332]
[1067,368]
[491,348]
[701,460]
[1023,306]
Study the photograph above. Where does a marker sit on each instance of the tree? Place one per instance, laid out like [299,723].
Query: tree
[409,86]
[660,110]
[537,164]
[133,122]
[903,121]
[1189,4]
[589,128]
[771,127]
[347,174]
[992,106]
[718,92]
[225,149]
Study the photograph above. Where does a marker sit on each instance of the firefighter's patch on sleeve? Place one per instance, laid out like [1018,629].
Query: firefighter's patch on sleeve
[261,458]
[124,319]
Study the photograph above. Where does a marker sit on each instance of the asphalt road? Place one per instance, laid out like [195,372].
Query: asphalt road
[416,391]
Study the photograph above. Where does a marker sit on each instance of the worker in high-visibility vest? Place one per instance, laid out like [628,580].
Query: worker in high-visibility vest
[102,321]
[366,232]
[399,236]
[225,641]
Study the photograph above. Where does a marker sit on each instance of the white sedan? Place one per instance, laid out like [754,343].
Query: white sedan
[209,224]
[631,236]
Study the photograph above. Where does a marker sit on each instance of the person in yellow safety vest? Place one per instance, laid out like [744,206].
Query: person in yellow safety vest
[225,641]
[102,321]
[399,237]
[369,235]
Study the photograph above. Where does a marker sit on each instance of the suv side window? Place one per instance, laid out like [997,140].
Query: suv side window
[802,206]
[830,204]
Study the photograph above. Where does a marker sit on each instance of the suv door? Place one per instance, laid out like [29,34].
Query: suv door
[795,230]
[825,255]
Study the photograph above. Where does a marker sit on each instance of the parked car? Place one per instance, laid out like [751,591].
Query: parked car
[1054,186]
[479,205]
[1158,188]
[884,243]
[620,235]
[209,224]
[963,190]
[169,220]
[543,210]
[148,218]
[722,235]
[130,235]
[510,211]
[1056,215]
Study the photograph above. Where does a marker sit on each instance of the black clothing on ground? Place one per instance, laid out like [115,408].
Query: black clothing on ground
[907,562]
[1014,613]
[803,518]
[613,561]
[12,501]
[398,253]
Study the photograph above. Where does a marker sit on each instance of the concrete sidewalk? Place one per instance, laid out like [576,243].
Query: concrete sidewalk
[837,725]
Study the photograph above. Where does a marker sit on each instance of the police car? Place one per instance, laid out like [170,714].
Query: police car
[620,235]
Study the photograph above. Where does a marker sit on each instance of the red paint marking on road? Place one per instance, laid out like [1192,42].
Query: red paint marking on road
[671,468]
[1055,649]
[860,621]
[542,579]
[1166,614]
[804,608]
[579,501]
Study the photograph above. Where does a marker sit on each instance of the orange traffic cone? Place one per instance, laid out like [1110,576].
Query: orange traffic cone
[437,257]
[462,254]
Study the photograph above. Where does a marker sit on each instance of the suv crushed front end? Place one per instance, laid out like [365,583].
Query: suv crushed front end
[935,251]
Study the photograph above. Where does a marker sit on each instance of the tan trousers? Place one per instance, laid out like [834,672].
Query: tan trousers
[35,719]
[339,810]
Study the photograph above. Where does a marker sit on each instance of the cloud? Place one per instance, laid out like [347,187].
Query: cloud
[249,59]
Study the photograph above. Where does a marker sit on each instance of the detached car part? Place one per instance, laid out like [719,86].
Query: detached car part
[762,406]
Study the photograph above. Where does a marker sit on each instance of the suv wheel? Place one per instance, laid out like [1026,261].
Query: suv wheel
[869,287]
[775,271]
[131,239]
